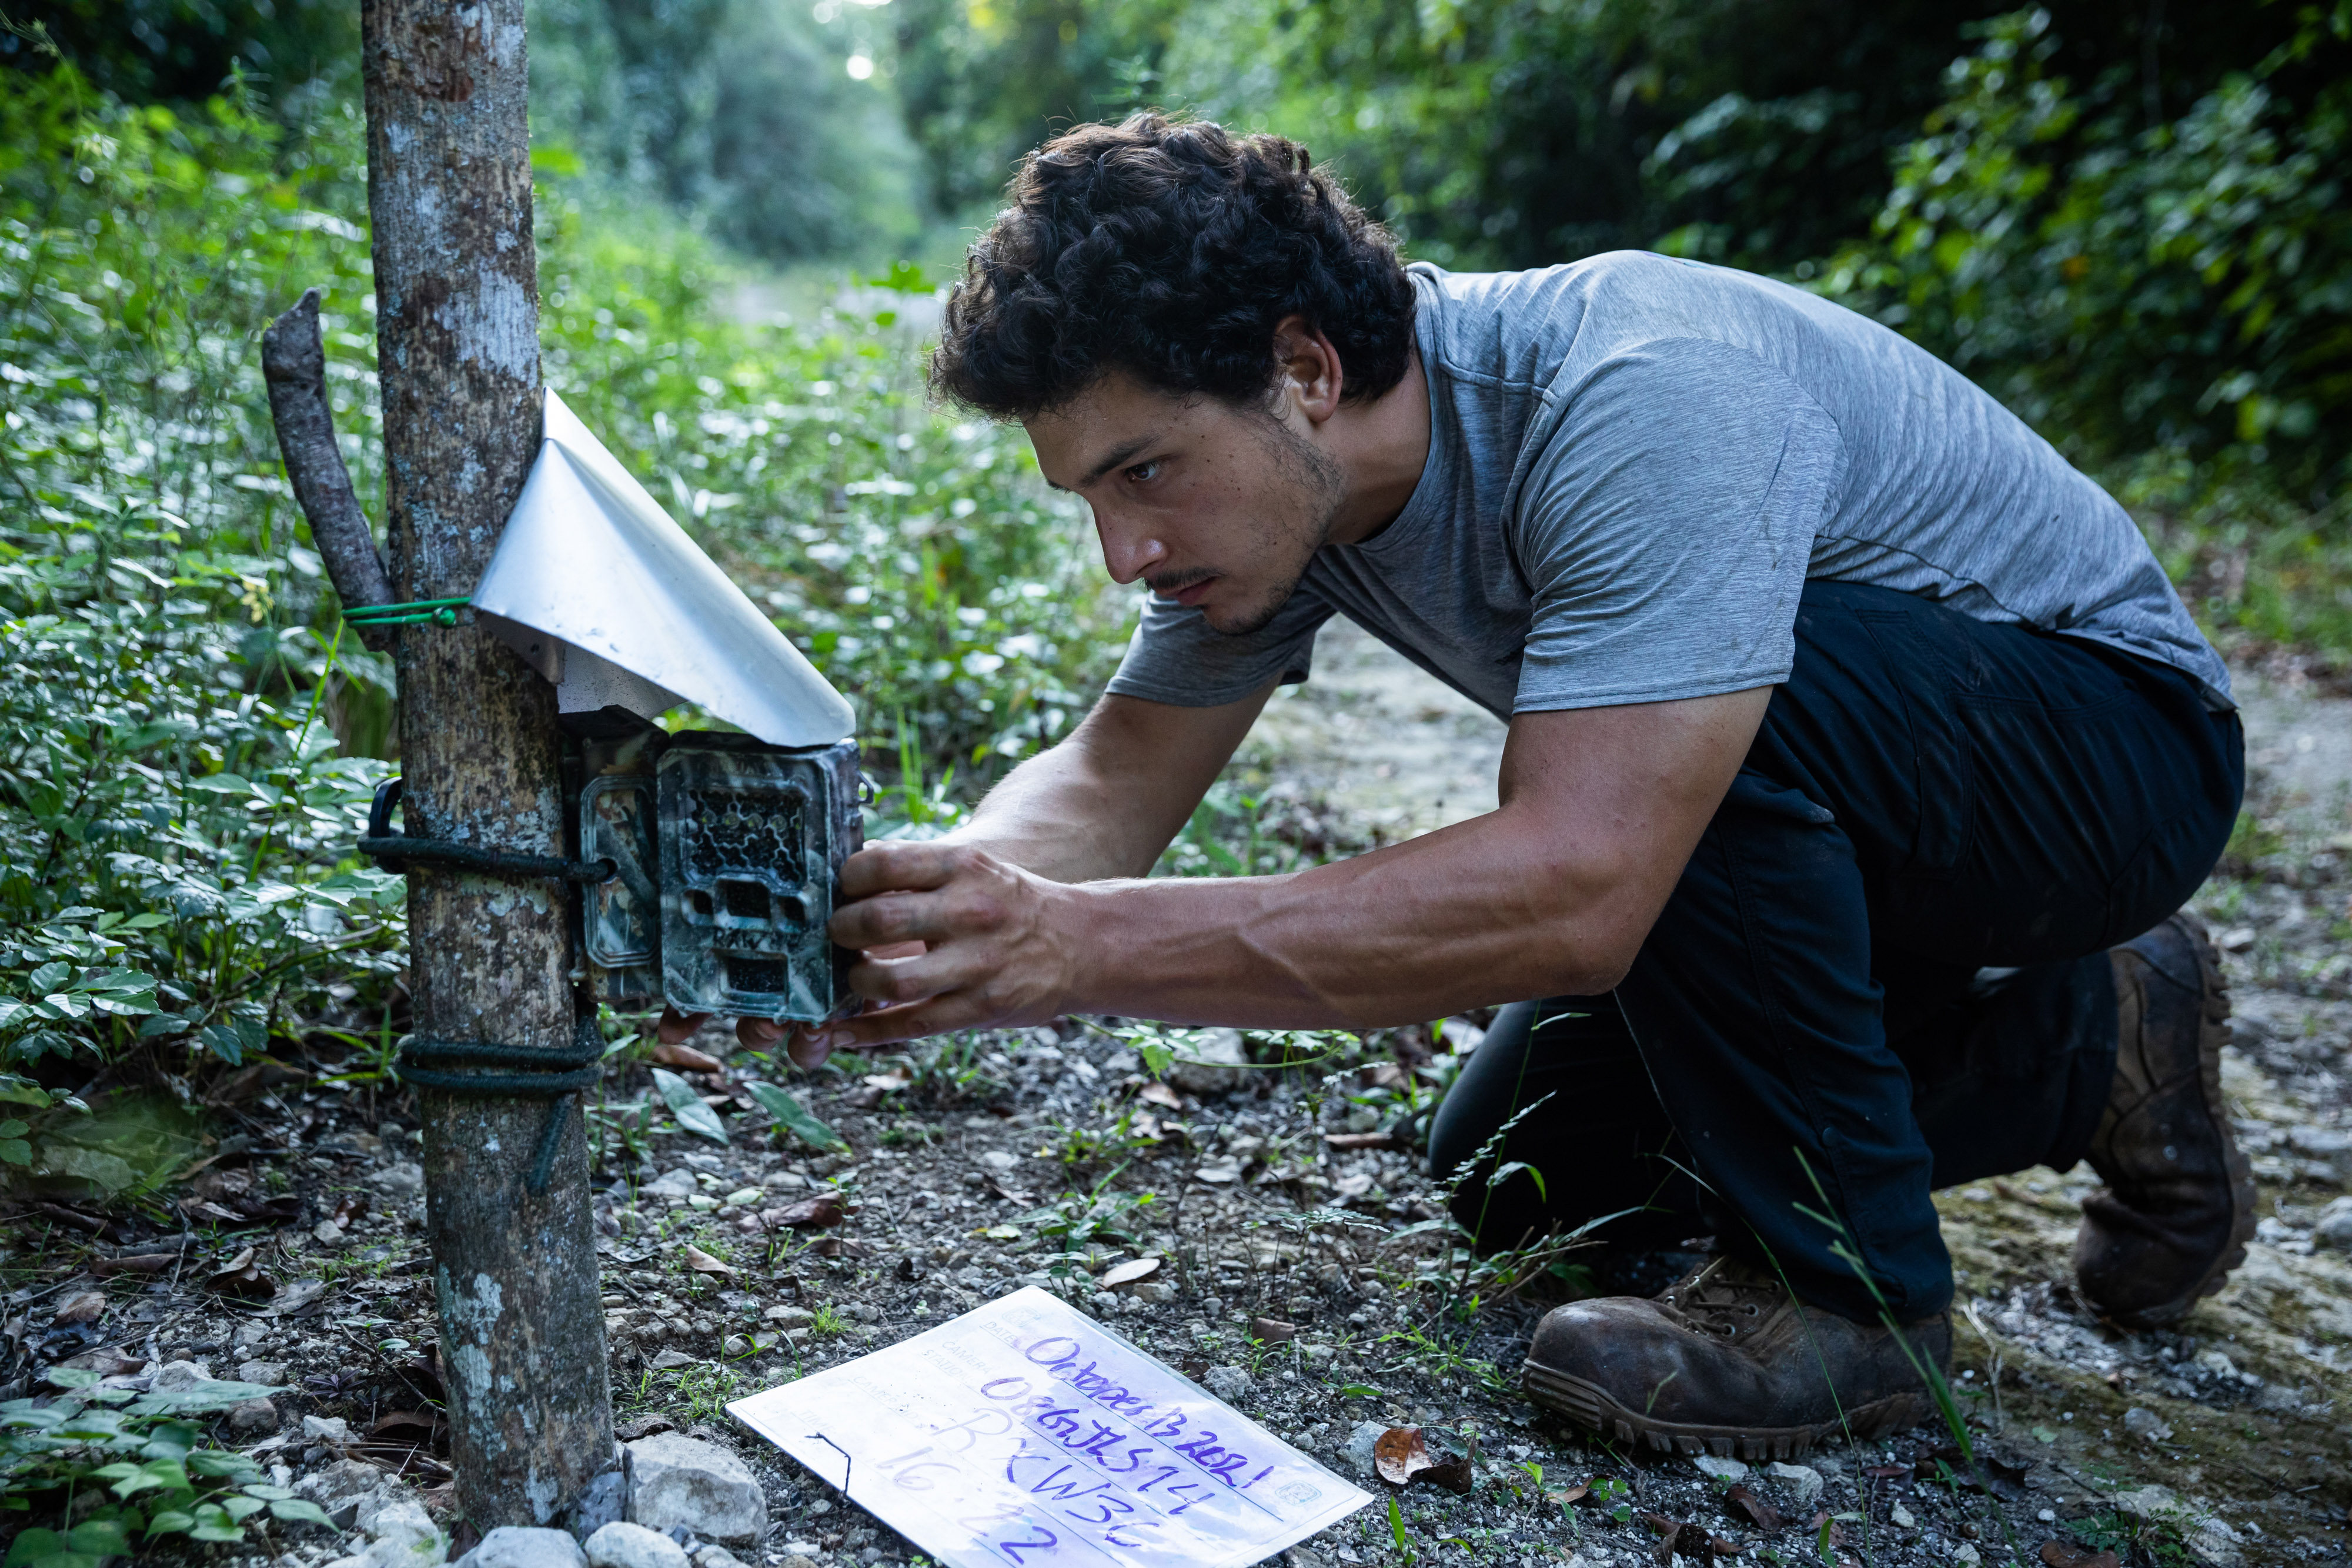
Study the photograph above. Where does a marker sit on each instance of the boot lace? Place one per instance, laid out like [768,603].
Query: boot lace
[1726,1296]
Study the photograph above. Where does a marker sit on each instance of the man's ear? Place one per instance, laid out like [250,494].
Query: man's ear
[1308,373]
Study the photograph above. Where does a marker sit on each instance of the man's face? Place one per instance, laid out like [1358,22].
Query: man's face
[1216,506]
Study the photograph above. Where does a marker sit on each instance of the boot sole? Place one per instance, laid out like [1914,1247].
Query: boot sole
[1591,1407]
[2213,1033]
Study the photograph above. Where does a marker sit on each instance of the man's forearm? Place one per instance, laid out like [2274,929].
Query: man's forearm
[1460,918]
[1107,800]
[1060,816]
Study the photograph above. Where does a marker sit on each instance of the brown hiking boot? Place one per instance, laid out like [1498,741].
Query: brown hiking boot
[1725,1362]
[2179,1207]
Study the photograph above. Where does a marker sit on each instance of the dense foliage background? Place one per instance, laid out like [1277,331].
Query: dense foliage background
[2128,220]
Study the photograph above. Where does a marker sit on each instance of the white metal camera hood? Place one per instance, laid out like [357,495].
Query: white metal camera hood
[610,600]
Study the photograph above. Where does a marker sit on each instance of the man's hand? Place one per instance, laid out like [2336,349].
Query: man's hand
[950,937]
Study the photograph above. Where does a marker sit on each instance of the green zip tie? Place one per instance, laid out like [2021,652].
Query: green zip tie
[440,612]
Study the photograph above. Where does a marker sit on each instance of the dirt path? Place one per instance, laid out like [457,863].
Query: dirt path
[2241,1416]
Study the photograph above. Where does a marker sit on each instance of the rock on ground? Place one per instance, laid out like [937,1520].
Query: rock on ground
[624,1545]
[676,1480]
[524,1546]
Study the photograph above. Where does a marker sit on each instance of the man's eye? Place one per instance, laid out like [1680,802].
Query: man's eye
[1144,473]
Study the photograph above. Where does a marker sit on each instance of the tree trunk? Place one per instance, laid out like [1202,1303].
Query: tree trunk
[523,1336]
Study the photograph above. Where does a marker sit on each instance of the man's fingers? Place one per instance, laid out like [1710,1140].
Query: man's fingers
[759,1033]
[675,1026]
[809,1046]
[888,1026]
[890,867]
[899,981]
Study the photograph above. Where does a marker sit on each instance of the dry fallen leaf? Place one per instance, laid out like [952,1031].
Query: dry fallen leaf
[825,1208]
[702,1262]
[1454,1473]
[82,1307]
[1398,1454]
[1272,1330]
[1129,1273]
[686,1058]
[1159,1094]
[1571,1494]
[239,1277]
[1677,1538]
[890,1082]
[412,1420]
[1742,1500]
[2065,1554]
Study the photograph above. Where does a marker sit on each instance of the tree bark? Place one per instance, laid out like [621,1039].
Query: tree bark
[523,1335]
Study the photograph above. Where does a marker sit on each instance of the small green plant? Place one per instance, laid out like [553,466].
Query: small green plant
[790,1116]
[827,1319]
[2157,1540]
[705,1388]
[1079,1219]
[1397,1532]
[144,1458]
[1614,1497]
[1079,1145]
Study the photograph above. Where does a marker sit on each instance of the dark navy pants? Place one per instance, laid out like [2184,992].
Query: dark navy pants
[1885,967]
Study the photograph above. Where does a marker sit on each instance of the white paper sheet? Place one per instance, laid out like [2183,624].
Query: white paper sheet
[1026,1435]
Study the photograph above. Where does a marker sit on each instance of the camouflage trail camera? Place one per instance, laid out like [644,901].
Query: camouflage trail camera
[728,851]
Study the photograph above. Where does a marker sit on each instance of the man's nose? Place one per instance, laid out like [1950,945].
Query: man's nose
[1129,550]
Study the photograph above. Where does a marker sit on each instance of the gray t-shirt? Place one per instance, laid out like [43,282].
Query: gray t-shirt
[1635,463]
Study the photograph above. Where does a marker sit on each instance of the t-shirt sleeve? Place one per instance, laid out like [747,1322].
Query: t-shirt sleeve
[1664,529]
[1175,657]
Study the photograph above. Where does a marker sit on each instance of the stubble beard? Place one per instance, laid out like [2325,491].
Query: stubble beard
[1316,486]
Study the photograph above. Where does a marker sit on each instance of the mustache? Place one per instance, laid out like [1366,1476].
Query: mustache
[1169,582]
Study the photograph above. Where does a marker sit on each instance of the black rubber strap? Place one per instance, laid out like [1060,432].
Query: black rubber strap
[395,852]
[484,1068]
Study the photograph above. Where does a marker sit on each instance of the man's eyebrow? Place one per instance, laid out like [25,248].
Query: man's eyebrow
[1116,457]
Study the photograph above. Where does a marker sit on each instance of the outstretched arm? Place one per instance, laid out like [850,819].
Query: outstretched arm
[1551,893]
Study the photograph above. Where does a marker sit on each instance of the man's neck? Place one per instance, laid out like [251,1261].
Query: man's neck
[1383,446]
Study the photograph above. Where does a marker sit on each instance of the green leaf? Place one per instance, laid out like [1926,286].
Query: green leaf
[100,1538]
[204,1398]
[215,1462]
[32,1546]
[73,1377]
[16,1152]
[298,1508]
[171,1440]
[240,1506]
[171,1522]
[687,1105]
[166,1474]
[47,978]
[793,1117]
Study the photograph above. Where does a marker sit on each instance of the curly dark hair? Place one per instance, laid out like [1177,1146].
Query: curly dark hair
[1169,249]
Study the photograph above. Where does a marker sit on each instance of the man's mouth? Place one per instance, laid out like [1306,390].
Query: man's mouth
[1183,592]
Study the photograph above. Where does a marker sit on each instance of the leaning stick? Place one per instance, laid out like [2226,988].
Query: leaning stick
[294,363]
